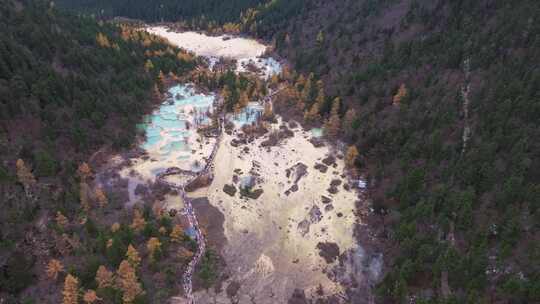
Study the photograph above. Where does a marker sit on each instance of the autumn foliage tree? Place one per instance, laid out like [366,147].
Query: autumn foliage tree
[71,290]
[84,171]
[61,220]
[54,267]
[24,175]
[351,156]
[127,281]
[104,277]
[133,257]
[101,197]
[115,227]
[90,296]
[103,41]
[138,220]
[177,233]
[333,124]
[154,246]
[401,93]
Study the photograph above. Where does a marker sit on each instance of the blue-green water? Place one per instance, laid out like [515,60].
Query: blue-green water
[248,115]
[317,132]
[168,129]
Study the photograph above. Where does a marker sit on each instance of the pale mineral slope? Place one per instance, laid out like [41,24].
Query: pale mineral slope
[265,251]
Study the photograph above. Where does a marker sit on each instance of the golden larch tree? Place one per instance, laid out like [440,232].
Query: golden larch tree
[126,280]
[313,114]
[90,296]
[184,253]
[71,290]
[84,171]
[153,245]
[177,233]
[268,113]
[101,197]
[333,124]
[115,227]
[104,277]
[133,257]
[351,156]
[54,267]
[24,175]
[401,93]
[102,40]
[61,220]
[244,99]
[138,220]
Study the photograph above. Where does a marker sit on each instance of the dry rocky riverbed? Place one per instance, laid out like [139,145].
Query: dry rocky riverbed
[289,236]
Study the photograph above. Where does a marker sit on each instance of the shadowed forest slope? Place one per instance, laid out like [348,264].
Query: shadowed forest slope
[68,87]
[446,99]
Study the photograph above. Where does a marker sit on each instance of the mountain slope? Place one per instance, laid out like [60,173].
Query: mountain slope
[446,115]
[168,10]
[68,87]
[446,96]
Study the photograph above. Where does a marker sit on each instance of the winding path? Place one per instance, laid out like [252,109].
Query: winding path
[187,280]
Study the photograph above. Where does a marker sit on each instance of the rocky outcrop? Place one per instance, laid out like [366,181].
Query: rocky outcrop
[230,190]
[328,251]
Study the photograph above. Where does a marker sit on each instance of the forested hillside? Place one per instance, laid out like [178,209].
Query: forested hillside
[168,10]
[68,87]
[442,99]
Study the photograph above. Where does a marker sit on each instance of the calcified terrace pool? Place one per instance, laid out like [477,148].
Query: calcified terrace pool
[171,127]
[171,137]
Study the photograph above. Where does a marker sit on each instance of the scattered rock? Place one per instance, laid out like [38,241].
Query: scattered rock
[321,167]
[329,161]
[253,194]
[229,189]
[232,289]
[335,182]
[315,214]
[293,124]
[297,172]
[329,208]
[333,189]
[326,200]
[303,227]
[328,251]
[317,142]
[340,214]
[298,297]
[200,182]
[293,188]
[237,142]
[347,187]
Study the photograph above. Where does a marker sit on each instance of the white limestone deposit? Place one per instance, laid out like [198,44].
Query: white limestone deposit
[245,51]
[268,250]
